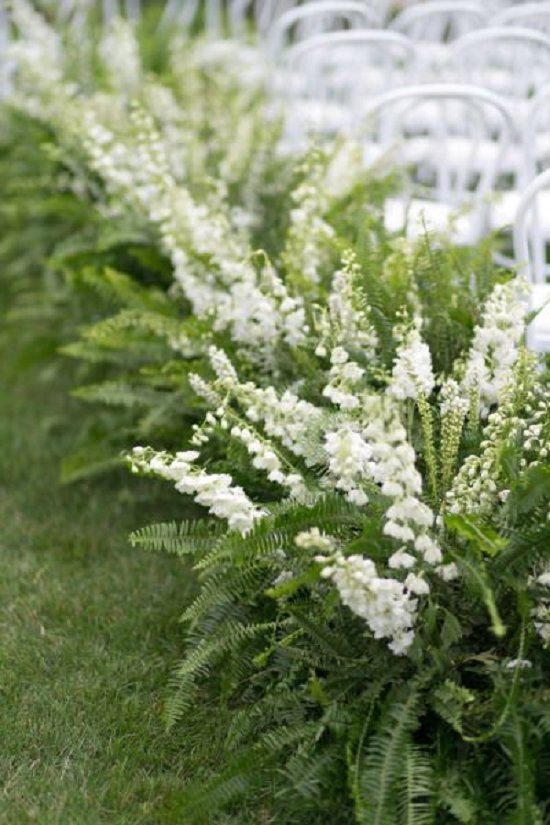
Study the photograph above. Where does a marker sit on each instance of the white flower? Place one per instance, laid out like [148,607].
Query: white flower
[523,664]
[417,585]
[119,52]
[314,539]
[448,572]
[214,491]
[349,458]
[384,603]
[412,372]
[401,559]
[495,346]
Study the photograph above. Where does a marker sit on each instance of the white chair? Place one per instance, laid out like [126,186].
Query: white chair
[315,18]
[453,168]
[436,23]
[531,248]
[335,75]
[527,15]
[439,21]
[508,60]
[270,10]
[536,132]
[531,155]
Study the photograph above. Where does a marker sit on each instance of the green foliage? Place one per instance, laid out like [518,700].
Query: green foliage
[319,721]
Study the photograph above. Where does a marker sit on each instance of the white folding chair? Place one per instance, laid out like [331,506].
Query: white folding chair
[531,250]
[530,156]
[436,23]
[508,60]
[335,74]
[536,132]
[270,10]
[318,17]
[527,15]
[453,168]
[439,21]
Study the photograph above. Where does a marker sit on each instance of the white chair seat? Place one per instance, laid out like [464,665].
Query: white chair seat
[419,215]
[322,117]
[503,212]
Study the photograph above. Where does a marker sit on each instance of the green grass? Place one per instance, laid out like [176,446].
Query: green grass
[88,630]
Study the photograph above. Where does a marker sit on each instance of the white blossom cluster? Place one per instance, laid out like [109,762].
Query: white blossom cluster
[368,447]
[345,326]
[37,58]
[289,419]
[119,52]
[344,376]
[496,345]
[478,486]
[393,467]
[264,457]
[453,408]
[309,233]
[387,605]
[256,311]
[212,490]
[349,459]
[412,374]
[349,314]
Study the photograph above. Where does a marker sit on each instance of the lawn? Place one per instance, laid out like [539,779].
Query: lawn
[88,630]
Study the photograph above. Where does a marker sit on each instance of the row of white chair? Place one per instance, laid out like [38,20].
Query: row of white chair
[508,60]
[458,148]
[325,82]
[435,22]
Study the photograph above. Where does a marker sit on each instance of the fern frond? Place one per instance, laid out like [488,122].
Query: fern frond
[118,394]
[525,810]
[178,538]
[416,796]
[384,763]
[200,660]
[122,289]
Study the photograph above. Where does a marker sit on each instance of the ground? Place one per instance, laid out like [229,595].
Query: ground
[88,630]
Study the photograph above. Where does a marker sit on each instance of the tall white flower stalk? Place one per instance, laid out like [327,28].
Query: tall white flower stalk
[495,346]
[257,309]
[119,52]
[40,88]
[212,490]
[516,423]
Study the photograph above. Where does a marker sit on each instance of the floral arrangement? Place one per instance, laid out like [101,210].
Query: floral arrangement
[356,415]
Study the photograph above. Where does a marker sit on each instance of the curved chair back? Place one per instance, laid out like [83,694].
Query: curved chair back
[452,140]
[527,15]
[511,61]
[331,76]
[439,21]
[314,18]
[530,240]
